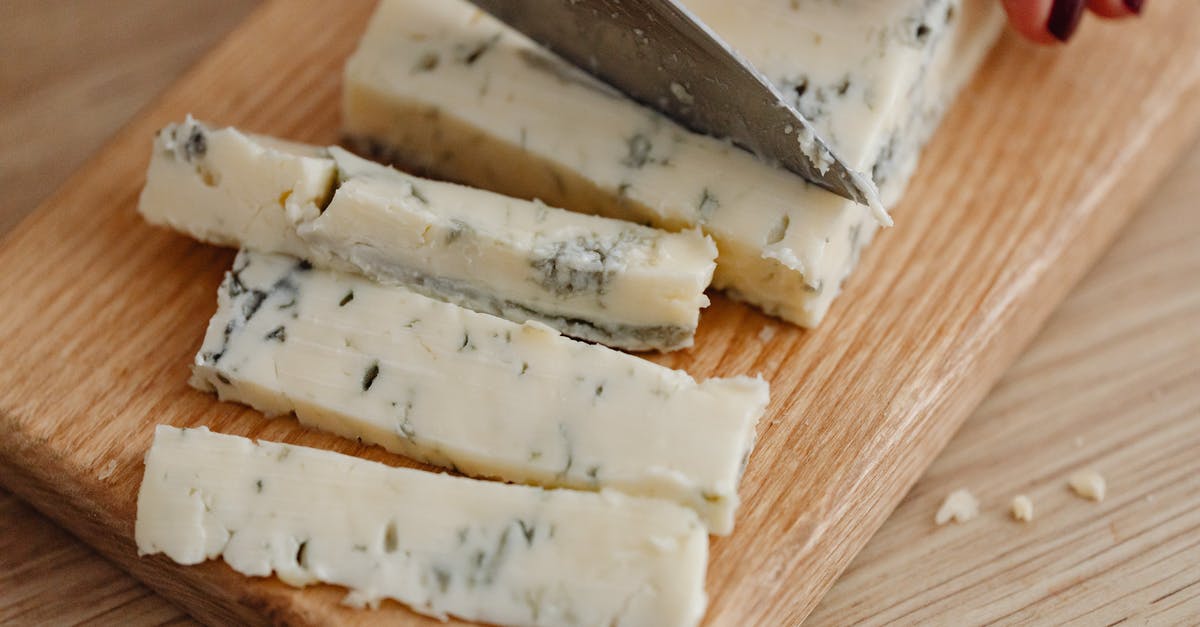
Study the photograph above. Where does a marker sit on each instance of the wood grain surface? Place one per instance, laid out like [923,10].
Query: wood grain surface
[1111,384]
[71,70]
[107,59]
[63,422]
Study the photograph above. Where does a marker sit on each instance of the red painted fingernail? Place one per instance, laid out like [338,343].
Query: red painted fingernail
[1064,18]
[1134,5]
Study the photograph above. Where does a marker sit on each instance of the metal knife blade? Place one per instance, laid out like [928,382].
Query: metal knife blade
[660,54]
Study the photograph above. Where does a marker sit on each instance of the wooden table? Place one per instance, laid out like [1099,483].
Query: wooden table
[1112,383]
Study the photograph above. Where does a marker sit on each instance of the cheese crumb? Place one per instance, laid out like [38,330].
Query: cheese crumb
[960,506]
[767,333]
[1022,508]
[1089,485]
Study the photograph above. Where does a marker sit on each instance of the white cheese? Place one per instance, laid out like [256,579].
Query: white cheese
[501,554]
[474,392]
[599,279]
[224,188]
[1088,484]
[959,506]
[1022,508]
[446,89]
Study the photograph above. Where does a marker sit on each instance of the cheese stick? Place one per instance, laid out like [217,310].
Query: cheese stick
[473,392]
[501,554]
[604,280]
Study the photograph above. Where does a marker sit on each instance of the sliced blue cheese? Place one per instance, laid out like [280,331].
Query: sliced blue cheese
[442,545]
[473,392]
[448,90]
[874,78]
[599,279]
[222,187]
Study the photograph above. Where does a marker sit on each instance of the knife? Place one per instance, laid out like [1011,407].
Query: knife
[660,54]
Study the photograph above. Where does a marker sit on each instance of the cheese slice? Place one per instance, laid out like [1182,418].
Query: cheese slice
[501,554]
[599,279]
[473,392]
[448,90]
[225,188]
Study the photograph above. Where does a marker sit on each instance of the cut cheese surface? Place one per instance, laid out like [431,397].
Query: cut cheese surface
[873,77]
[446,89]
[473,392]
[599,279]
[502,554]
[224,188]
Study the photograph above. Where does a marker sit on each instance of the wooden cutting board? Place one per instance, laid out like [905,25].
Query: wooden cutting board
[1042,161]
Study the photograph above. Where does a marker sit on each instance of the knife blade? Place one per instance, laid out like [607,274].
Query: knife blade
[661,55]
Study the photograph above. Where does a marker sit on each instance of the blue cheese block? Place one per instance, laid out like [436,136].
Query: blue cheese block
[599,279]
[448,90]
[442,545]
[474,392]
[873,77]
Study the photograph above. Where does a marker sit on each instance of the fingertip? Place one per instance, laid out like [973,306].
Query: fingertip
[1029,18]
[1115,8]
[1064,18]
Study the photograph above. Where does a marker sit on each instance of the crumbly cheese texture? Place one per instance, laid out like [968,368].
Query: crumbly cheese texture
[960,506]
[473,392]
[443,545]
[1021,508]
[446,89]
[603,280]
[1088,484]
[222,187]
